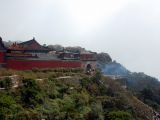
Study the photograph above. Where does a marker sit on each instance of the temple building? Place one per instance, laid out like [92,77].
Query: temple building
[3,51]
[30,54]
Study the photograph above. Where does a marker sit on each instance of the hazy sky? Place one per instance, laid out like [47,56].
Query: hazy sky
[129,30]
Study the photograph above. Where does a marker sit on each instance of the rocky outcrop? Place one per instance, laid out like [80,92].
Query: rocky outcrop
[103,58]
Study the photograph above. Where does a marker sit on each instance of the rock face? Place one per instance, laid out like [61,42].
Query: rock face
[104,58]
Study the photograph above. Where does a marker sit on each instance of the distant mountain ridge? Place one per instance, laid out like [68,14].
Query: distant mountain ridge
[138,83]
[114,68]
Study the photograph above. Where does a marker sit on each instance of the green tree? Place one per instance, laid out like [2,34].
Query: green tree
[31,93]
[85,82]
[8,107]
[97,77]
[8,83]
[146,93]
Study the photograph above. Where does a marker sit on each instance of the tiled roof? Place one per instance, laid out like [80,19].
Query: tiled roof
[32,45]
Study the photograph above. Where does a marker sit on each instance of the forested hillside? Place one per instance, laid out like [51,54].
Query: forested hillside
[66,94]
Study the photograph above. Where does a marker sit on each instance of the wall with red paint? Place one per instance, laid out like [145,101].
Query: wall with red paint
[30,64]
[2,57]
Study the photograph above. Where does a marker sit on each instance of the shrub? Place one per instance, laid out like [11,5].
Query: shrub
[85,82]
[97,77]
[8,106]
[31,93]
[119,115]
[27,115]
[6,83]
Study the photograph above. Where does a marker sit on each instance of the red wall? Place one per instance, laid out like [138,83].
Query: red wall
[2,55]
[30,64]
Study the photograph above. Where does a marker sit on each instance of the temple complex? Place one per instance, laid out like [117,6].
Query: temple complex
[30,54]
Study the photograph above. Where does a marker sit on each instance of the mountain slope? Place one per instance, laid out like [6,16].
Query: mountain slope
[138,83]
[50,94]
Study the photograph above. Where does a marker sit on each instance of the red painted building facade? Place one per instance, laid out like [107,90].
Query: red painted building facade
[30,64]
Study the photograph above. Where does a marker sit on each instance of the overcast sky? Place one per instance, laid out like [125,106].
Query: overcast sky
[129,30]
